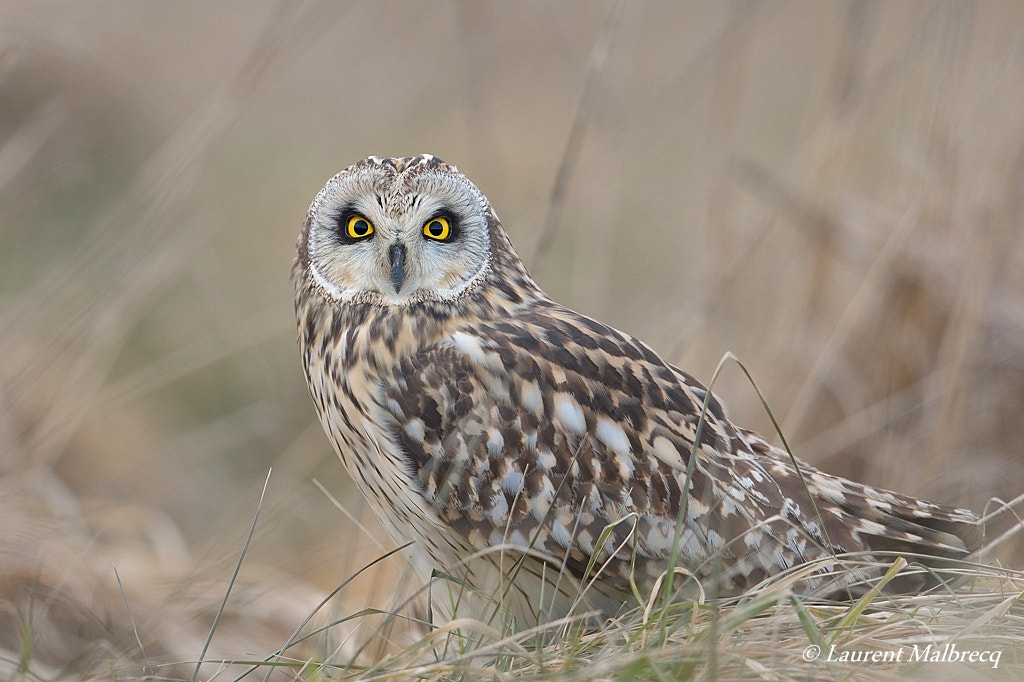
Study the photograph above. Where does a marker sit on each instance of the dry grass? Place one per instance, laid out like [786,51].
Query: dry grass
[768,634]
[834,193]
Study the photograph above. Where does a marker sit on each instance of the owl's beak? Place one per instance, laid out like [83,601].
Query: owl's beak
[397,255]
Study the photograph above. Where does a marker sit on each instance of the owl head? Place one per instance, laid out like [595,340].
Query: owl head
[397,232]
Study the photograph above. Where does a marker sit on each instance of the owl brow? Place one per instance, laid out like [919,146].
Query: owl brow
[417,199]
[442,212]
[339,214]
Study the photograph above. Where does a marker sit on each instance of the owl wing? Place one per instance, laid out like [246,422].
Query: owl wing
[556,432]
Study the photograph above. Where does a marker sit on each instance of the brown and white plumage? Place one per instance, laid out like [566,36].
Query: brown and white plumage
[524,447]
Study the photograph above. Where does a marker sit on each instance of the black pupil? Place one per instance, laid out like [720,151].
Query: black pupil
[360,227]
[436,228]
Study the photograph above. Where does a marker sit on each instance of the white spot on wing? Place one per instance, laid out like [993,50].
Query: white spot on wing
[414,429]
[560,534]
[529,393]
[715,541]
[499,511]
[545,460]
[625,463]
[568,412]
[513,482]
[664,450]
[470,346]
[395,408]
[542,500]
[495,442]
[612,435]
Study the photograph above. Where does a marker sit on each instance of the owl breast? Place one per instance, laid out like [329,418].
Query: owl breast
[350,354]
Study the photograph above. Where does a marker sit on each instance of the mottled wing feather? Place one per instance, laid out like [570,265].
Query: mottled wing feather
[493,421]
[547,429]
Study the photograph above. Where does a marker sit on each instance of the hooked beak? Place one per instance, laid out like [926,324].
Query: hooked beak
[397,256]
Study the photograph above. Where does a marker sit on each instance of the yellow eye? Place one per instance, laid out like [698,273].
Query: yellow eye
[358,227]
[438,228]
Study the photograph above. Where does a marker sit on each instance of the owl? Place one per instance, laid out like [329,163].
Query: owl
[540,462]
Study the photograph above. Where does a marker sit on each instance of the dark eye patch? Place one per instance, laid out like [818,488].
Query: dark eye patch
[339,222]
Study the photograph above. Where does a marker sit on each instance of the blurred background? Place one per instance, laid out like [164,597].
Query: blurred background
[834,192]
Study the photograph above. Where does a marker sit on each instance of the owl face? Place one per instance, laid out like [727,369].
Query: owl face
[396,232]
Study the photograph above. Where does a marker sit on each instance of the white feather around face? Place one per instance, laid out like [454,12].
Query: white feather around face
[398,205]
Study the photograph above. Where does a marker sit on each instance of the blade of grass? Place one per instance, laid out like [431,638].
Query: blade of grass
[850,619]
[231,583]
[135,630]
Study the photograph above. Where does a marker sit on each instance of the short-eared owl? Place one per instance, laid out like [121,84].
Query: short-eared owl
[536,455]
